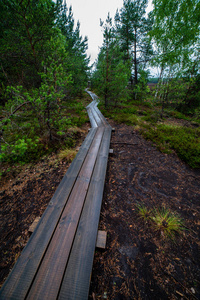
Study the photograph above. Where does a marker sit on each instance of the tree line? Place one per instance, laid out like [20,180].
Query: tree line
[43,67]
[167,38]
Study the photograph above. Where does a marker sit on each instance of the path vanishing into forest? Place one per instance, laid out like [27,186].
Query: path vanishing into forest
[138,262]
[57,261]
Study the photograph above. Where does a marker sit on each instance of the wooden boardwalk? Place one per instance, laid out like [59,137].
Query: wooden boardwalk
[57,261]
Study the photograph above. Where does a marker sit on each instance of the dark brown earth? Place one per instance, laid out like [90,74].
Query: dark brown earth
[138,262]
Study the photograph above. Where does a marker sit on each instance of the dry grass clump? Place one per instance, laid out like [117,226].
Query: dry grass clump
[67,154]
[75,129]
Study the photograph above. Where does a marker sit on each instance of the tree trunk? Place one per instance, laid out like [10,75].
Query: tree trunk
[107,66]
[135,57]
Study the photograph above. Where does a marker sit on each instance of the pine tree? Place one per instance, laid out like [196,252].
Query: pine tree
[112,74]
[133,26]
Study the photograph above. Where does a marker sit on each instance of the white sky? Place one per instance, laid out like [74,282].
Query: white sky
[89,13]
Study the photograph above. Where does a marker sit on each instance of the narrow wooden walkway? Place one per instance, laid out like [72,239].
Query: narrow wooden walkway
[57,261]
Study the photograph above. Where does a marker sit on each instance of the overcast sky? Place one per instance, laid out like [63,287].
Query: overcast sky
[89,12]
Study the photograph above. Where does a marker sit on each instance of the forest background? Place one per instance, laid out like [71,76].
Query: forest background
[44,70]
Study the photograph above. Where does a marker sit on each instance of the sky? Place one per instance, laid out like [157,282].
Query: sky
[89,13]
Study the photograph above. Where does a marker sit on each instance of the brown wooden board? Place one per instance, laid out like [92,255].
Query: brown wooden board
[49,276]
[21,277]
[96,116]
[101,239]
[92,120]
[39,272]
[34,225]
[103,120]
[77,275]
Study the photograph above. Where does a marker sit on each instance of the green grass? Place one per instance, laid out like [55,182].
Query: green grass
[167,223]
[162,220]
[185,141]
[143,212]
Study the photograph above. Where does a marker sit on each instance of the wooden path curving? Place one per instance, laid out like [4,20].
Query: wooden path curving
[57,261]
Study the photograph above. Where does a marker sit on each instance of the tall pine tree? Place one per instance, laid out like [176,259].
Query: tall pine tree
[133,26]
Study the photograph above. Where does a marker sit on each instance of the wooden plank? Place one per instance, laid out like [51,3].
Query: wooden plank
[103,119]
[34,225]
[93,106]
[96,116]
[101,239]
[92,120]
[49,277]
[47,251]
[21,277]
[76,281]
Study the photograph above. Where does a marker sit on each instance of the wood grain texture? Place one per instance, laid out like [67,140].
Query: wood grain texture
[92,120]
[51,271]
[101,239]
[19,281]
[77,276]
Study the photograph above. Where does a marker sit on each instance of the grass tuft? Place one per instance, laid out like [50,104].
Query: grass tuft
[167,223]
[67,154]
[143,212]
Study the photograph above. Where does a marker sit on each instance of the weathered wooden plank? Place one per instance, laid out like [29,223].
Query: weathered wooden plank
[96,111]
[103,120]
[101,239]
[39,271]
[92,120]
[76,281]
[34,225]
[21,277]
[111,151]
[96,116]
[49,276]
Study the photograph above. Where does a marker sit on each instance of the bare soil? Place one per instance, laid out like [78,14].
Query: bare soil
[138,262]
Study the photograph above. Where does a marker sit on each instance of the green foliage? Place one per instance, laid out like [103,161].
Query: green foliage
[143,212]
[163,220]
[19,150]
[112,74]
[185,141]
[141,88]
[182,94]
[167,223]
[40,124]
[26,28]
[31,32]
[43,67]
[166,135]
[176,30]
[133,26]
